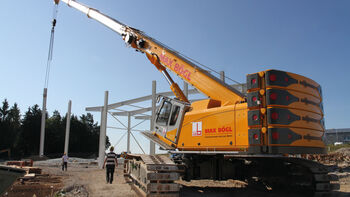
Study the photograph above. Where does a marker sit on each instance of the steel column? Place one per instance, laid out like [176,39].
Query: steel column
[152,146]
[129,130]
[103,127]
[66,142]
[43,118]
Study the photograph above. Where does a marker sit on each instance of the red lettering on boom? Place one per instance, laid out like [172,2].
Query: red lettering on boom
[179,69]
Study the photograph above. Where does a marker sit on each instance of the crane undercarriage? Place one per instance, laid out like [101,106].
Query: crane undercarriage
[157,175]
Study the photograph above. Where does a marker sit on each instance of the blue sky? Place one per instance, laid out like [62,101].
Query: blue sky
[311,38]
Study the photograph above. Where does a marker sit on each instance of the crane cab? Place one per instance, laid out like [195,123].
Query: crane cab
[169,117]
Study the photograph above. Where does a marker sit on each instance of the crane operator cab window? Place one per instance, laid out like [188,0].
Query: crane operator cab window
[164,113]
[169,117]
[174,115]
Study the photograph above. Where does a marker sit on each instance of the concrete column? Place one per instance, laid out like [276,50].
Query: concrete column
[222,76]
[66,142]
[129,130]
[152,146]
[43,118]
[103,127]
[186,89]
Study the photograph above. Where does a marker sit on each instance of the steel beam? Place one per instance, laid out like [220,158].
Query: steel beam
[138,111]
[146,117]
[149,97]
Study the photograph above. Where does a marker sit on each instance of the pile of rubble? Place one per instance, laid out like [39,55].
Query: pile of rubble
[340,156]
[73,191]
[26,165]
[72,161]
[34,182]
[332,158]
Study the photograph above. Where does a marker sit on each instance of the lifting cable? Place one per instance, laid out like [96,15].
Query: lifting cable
[49,58]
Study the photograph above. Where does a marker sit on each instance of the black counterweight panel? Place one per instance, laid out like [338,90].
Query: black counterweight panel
[281,116]
[253,99]
[254,117]
[282,136]
[279,78]
[253,81]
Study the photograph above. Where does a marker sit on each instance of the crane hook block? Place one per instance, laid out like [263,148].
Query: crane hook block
[53,22]
[56,1]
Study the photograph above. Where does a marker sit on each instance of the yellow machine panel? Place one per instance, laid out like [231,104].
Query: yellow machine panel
[211,129]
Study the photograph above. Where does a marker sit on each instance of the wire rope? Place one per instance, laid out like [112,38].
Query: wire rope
[52,37]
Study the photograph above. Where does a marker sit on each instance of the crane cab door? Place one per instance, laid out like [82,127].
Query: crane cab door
[169,117]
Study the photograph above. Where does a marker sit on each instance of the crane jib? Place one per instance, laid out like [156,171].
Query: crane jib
[174,61]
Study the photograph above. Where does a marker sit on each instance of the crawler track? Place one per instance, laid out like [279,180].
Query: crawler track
[290,173]
[156,175]
[153,175]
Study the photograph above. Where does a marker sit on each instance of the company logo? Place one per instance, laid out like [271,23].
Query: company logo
[164,131]
[178,68]
[196,128]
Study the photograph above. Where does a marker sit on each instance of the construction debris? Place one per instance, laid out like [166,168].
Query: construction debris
[332,158]
[20,163]
[29,176]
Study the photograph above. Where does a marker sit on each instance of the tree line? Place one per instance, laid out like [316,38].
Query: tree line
[21,133]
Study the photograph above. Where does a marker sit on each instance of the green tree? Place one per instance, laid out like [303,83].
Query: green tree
[14,121]
[54,134]
[4,110]
[29,137]
[23,135]
[5,133]
[14,116]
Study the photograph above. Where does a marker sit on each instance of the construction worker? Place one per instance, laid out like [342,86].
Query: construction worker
[64,161]
[111,162]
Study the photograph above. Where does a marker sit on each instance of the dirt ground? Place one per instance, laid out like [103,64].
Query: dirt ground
[88,180]
[93,180]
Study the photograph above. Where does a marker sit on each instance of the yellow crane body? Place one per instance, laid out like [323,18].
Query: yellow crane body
[232,134]
[283,114]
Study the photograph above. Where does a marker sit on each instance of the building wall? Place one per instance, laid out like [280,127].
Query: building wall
[337,135]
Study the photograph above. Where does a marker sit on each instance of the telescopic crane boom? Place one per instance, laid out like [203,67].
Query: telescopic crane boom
[166,59]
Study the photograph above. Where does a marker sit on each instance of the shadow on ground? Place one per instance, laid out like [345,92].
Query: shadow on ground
[192,191]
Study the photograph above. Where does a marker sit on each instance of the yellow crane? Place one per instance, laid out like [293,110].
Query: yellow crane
[231,135]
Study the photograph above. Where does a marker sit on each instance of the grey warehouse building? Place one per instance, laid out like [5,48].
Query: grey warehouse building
[337,135]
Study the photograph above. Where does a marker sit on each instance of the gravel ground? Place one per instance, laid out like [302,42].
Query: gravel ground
[83,179]
[93,180]
[80,178]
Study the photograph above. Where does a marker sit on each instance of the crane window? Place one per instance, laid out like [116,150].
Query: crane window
[164,114]
[174,115]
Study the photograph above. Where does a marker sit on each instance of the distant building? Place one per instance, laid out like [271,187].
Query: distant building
[337,135]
